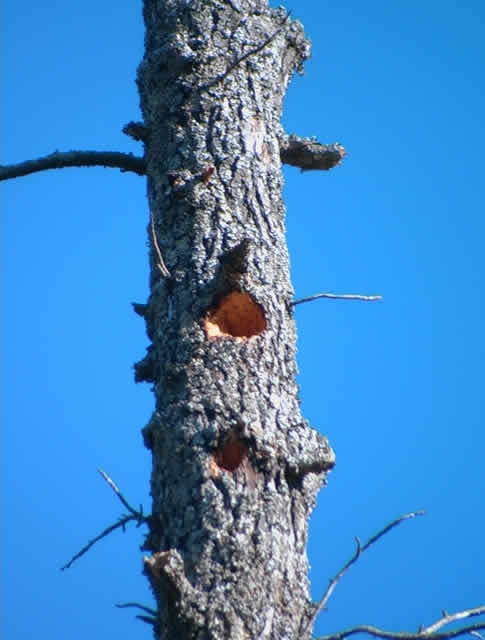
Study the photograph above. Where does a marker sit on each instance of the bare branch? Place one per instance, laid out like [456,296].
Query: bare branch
[359,550]
[63,159]
[391,525]
[134,512]
[447,618]
[398,635]
[336,296]
[308,154]
[122,522]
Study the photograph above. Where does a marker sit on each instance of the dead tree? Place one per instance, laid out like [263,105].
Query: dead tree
[236,467]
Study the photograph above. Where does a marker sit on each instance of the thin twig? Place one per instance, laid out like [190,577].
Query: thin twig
[359,550]
[245,56]
[136,605]
[137,514]
[399,635]
[160,264]
[391,525]
[336,296]
[63,159]
[122,522]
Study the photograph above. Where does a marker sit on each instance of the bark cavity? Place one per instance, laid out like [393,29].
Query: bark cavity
[237,315]
[230,455]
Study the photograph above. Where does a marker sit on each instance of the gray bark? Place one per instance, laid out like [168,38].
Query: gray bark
[236,468]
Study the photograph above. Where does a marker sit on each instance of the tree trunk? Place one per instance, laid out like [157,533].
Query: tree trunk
[235,466]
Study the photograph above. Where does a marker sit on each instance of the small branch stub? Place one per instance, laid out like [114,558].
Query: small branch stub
[146,368]
[139,308]
[136,130]
[308,154]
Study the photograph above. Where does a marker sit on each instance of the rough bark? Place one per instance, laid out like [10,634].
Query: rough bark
[236,468]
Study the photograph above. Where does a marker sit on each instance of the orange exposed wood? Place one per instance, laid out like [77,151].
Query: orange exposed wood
[237,315]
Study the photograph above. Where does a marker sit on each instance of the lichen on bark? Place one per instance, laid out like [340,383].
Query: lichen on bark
[236,468]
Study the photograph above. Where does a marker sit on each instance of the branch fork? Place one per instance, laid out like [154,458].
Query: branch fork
[134,515]
[424,633]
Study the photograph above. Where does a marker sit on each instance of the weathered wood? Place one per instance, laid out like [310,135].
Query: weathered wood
[235,466]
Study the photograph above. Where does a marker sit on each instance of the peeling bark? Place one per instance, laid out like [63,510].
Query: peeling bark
[235,466]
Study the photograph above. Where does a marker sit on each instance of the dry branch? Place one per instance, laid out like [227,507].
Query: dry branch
[359,550]
[63,159]
[121,523]
[402,635]
[448,618]
[426,633]
[336,296]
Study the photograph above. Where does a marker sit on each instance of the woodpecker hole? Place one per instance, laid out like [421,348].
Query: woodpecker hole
[237,315]
[229,456]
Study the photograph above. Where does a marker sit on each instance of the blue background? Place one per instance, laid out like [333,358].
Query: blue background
[397,386]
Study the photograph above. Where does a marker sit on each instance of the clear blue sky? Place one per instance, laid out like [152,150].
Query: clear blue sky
[397,386]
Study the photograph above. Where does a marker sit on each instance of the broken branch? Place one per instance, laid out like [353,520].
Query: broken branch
[308,154]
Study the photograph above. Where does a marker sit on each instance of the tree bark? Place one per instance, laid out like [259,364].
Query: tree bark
[236,468]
